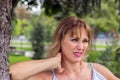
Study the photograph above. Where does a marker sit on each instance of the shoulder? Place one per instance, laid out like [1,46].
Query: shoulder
[105,72]
[46,75]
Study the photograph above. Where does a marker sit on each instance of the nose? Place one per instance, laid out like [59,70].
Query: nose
[80,46]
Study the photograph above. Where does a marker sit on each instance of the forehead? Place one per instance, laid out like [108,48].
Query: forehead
[78,31]
[81,33]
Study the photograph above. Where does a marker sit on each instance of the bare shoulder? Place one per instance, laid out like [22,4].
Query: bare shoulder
[46,75]
[105,72]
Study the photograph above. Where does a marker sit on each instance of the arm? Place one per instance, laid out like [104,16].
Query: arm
[105,72]
[24,70]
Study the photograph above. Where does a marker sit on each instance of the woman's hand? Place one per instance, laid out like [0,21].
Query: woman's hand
[59,66]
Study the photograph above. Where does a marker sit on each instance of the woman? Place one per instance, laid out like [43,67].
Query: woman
[66,61]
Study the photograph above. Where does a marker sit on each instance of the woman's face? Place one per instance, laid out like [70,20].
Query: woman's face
[74,48]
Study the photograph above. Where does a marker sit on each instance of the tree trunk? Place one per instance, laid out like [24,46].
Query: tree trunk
[5,35]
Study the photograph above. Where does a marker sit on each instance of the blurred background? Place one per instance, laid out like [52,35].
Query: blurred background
[34,22]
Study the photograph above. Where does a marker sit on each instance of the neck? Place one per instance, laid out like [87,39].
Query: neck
[72,70]
[72,67]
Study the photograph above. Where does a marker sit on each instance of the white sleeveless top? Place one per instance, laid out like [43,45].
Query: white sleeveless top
[95,74]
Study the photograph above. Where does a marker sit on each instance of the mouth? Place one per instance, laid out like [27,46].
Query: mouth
[77,54]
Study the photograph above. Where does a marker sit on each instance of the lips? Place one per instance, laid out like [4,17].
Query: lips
[77,54]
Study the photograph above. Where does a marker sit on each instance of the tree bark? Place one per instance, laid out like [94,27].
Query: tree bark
[5,35]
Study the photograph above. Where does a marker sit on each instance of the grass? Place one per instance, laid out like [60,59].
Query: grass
[17,58]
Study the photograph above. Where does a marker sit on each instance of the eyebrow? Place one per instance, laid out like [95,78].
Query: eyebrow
[79,37]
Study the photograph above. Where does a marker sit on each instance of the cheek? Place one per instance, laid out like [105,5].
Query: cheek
[86,46]
[66,48]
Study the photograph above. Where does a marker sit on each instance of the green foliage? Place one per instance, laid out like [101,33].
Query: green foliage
[42,33]
[37,39]
[93,55]
[63,8]
[109,57]
[117,59]
[117,55]
[50,25]
[104,19]
[21,26]
[16,27]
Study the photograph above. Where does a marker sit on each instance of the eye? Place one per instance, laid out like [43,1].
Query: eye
[85,40]
[74,39]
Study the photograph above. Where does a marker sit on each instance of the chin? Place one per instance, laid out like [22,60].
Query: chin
[78,60]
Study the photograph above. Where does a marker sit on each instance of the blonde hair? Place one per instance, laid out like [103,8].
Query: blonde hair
[70,25]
